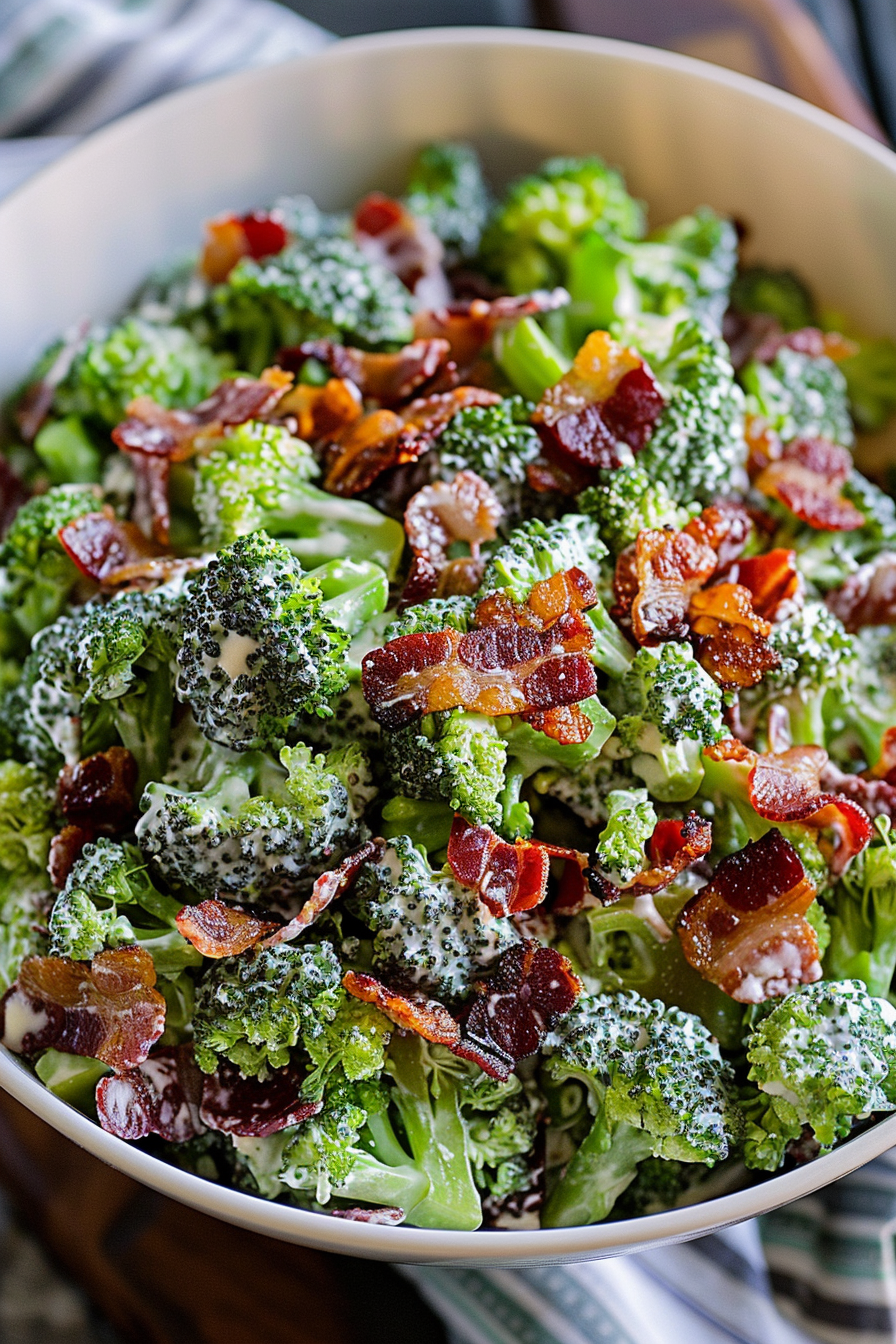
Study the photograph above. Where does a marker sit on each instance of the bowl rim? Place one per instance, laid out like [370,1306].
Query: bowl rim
[426,1245]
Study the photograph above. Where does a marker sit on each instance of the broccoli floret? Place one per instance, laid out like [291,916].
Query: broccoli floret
[862,911]
[497,442]
[800,397]
[259,479]
[253,1009]
[821,1057]
[626,501]
[430,930]
[37,578]
[324,287]
[501,1129]
[43,713]
[657,1086]
[136,359]
[27,806]
[631,822]
[697,447]
[447,189]
[586,788]
[109,901]
[659,1184]
[251,830]
[452,756]
[263,641]
[349,722]
[351,1045]
[871,381]
[667,710]
[781,294]
[530,237]
[439,613]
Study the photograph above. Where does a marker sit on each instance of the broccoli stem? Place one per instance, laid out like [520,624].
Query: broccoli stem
[375,1182]
[427,823]
[338,529]
[605,1164]
[354,592]
[516,817]
[611,651]
[429,1104]
[67,452]
[143,723]
[530,359]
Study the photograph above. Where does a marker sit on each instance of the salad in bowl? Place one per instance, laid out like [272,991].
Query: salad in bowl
[449,709]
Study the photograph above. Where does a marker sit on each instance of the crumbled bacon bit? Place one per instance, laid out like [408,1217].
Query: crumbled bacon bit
[874,790]
[389,378]
[108,1009]
[386,232]
[746,930]
[508,877]
[329,887]
[102,546]
[255,1107]
[567,724]
[807,479]
[763,443]
[867,597]
[673,847]
[218,930]
[470,324]
[65,851]
[322,412]
[229,238]
[427,1018]
[550,478]
[885,767]
[668,568]
[808,341]
[608,399]
[466,510]
[530,989]
[98,792]
[730,640]
[774,582]
[726,527]
[388,1215]
[160,1096]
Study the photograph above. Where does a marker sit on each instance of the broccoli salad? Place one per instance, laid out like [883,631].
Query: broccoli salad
[448,743]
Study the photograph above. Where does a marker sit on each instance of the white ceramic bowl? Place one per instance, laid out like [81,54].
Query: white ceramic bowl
[77,239]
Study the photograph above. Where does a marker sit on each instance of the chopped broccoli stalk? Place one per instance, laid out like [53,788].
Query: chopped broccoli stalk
[37,578]
[255,1008]
[258,479]
[105,903]
[532,234]
[354,593]
[823,1056]
[433,931]
[447,189]
[67,451]
[667,710]
[631,823]
[529,358]
[801,397]
[628,500]
[252,830]
[657,1086]
[781,294]
[453,756]
[426,824]
[497,442]
[260,644]
[862,910]
[322,287]
[73,1078]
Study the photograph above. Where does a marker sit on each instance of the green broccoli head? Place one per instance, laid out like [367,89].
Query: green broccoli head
[251,830]
[255,1008]
[532,232]
[871,381]
[259,646]
[800,396]
[323,287]
[628,500]
[498,443]
[502,1127]
[37,578]
[352,1045]
[630,824]
[429,930]
[667,710]
[447,189]
[44,711]
[823,1056]
[781,294]
[439,613]
[586,789]
[27,824]
[452,756]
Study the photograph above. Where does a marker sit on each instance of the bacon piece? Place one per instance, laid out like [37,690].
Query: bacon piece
[469,325]
[108,1010]
[608,399]
[808,341]
[322,412]
[868,597]
[467,510]
[160,1096]
[668,568]
[763,442]
[673,847]
[875,793]
[232,1104]
[745,332]
[567,724]
[386,438]
[746,930]
[65,851]
[218,930]
[329,887]
[98,792]
[13,494]
[102,545]
[550,478]
[807,479]
[428,1018]
[726,527]
[730,640]
[229,238]
[37,400]
[389,378]
[388,233]
[774,583]
[530,989]
[388,1215]
[885,767]
[508,877]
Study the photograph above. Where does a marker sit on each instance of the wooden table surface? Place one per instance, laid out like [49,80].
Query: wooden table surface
[164,1274]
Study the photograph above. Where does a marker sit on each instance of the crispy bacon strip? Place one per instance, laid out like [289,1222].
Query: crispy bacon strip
[108,1009]
[329,887]
[508,877]
[101,545]
[774,583]
[668,569]
[808,341]
[746,930]
[218,930]
[466,510]
[726,527]
[389,378]
[386,232]
[65,851]
[608,399]
[255,1107]
[160,1096]
[469,325]
[874,790]
[730,640]
[530,989]
[807,479]
[673,847]
[868,597]
[229,238]
[428,1019]
[321,412]
[98,792]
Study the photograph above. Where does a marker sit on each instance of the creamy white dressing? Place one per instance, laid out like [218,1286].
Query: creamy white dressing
[236,650]
[22,1019]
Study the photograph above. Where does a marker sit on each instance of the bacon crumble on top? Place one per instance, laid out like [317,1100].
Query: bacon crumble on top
[463,510]
[218,930]
[229,238]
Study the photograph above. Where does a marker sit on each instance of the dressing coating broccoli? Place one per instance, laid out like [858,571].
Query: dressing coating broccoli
[27,807]
[446,188]
[453,756]
[497,442]
[800,396]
